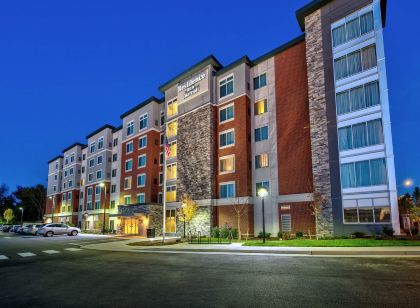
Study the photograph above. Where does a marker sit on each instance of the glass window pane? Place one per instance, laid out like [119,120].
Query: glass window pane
[359,135]
[343,104]
[374,130]
[365,215]
[263,80]
[344,138]
[347,175]
[340,68]
[372,94]
[382,214]
[353,29]
[362,173]
[378,171]
[350,215]
[339,35]
[366,23]
[354,63]
[369,57]
[256,83]
[357,100]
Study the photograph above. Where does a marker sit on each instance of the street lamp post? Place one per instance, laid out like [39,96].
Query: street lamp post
[21,217]
[262,192]
[104,186]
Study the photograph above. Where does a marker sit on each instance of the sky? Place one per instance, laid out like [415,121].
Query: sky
[68,67]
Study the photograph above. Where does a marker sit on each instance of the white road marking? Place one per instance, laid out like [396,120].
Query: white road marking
[50,251]
[3,257]
[26,254]
[72,249]
[7,237]
[73,244]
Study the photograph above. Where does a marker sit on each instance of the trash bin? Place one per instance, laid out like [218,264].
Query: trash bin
[150,233]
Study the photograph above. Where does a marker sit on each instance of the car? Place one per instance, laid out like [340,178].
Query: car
[58,229]
[24,229]
[6,227]
[33,229]
[14,228]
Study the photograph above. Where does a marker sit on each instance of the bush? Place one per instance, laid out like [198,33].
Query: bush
[223,232]
[267,235]
[359,234]
[299,234]
[388,231]
[70,224]
[280,234]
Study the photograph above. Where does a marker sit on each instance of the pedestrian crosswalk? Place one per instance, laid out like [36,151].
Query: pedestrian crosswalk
[29,254]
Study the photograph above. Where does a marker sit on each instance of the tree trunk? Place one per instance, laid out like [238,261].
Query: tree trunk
[239,227]
[316,226]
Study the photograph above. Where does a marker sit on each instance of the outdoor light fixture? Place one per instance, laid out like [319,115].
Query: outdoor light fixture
[263,192]
[408,182]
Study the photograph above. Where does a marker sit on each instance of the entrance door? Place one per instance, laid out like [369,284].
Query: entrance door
[131,226]
[143,225]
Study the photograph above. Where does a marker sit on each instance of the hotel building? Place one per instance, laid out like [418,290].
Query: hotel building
[308,120]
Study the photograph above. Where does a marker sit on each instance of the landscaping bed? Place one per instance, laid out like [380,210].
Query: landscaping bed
[335,243]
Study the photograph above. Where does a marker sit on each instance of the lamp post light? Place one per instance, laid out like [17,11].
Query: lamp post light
[102,185]
[21,217]
[262,192]
[53,208]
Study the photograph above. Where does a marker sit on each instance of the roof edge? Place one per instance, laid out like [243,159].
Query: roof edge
[142,104]
[55,158]
[99,130]
[73,145]
[243,59]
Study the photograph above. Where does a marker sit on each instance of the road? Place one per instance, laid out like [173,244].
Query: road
[88,278]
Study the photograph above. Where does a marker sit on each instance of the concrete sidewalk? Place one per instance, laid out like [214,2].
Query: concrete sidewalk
[235,248]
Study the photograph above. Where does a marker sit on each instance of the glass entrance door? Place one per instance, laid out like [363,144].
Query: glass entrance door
[131,226]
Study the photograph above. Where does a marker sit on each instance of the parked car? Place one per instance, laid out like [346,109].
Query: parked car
[24,229]
[1,227]
[6,227]
[14,228]
[57,229]
[33,229]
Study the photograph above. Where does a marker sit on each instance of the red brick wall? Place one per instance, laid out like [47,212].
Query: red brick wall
[293,133]
[302,218]
[226,215]
[49,205]
[242,148]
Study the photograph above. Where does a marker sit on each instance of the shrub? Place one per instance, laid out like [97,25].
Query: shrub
[267,235]
[280,234]
[388,231]
[299,234]
[215,232]
[359,234]
[70,224]
[415,231]
[223,232]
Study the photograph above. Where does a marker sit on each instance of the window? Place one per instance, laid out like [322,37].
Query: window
[112,207]
[162,118]
[81,195]
[227,164]
[162,139]
[71,171]
[260,107]
[141,180]
[264,184]
[88,206]
[286,223]
[226,86]
[261,161]
[129,147]
[160,178]
[99,159]
[70,183]
[66,160]
[92,147]
[130,128]
[227,190]
[64,185]
[227,113]
[171,193]
[55,188]
[128,165]
[127,183]
[355,62]
[172,150]
[114,157]
[89,191]
[227,138]
[115,142]
[365,215]
[363,173]
[113,188]
[353,29]
[141,161]
[56,165]
[260,81]
[72,158]
[160,198]
[360,135]
[140,198]
[82,182]
[91,162]
[90,177]
[142,142]
[99,174]
[127,200]
[172,129]
[84,156]
[261,133]
[97,190]
[170,221]
[171,172]
[172,107]
[65,173]
[358,98]
[161,158]
[100,143]
[114,173]
[83,169]
[63,200]
[143,121]
[97,204]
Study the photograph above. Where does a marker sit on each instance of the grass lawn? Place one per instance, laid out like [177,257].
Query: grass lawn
[333,243]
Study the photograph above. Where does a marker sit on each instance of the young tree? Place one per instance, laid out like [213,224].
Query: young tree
[317,205]
[187,211]
[239,210]
[6,199]
[416,196]
[8,215]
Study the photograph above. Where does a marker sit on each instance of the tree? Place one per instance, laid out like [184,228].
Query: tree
[6,199]
[33,200]
[405,205]
[8,215]
[187,211]
[317,205]
[239,211]
[416,196]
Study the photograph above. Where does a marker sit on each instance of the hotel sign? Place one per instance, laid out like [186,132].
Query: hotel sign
[193,86]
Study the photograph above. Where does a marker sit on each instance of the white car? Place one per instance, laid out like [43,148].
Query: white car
[58,229]
[32,229]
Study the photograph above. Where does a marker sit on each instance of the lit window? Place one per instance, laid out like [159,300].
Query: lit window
[171,172]
[127,183]
[141,161]
[141,180]
[227,190]
[129,147]
[171,193]
[143,122]
[227,138]
[260,107]
[226,114]
[172,108]
[129,165]
[226,86]
[170,224]
[172,150]
[260,81]
[227,164]
[259,185]
[261,133]
[261,161]
[172,129]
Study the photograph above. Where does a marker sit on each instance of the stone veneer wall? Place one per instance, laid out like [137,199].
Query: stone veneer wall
[200,222]
[195,155]
[156,219]
[318,117]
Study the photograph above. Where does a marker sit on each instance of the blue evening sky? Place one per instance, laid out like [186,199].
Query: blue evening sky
[68,67]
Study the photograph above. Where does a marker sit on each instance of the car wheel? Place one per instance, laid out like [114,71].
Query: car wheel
[73,233]
[49,233]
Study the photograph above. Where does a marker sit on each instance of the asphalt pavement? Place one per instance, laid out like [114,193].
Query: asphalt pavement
[92,278]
